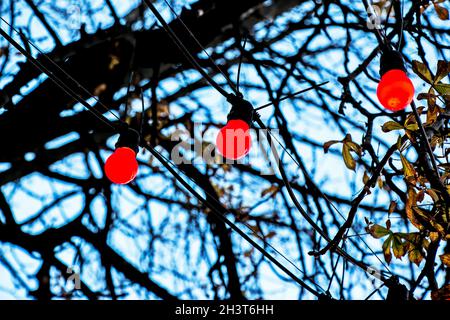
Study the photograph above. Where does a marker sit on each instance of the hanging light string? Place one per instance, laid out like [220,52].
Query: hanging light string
[381,37]
[402,3]
[157,155]
[234,87]
[413,105]
[91,109]
[162,21]
[388,16]
[127,103]
[168,29]
[241,58]
[75,82]
[193,61]
[230,83]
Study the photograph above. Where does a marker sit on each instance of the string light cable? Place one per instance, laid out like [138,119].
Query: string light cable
[56,80]
[67,89]
[185,51]
[249,227]
[234,87]
[215,208]
[78,85]
[402,8]
[75,82]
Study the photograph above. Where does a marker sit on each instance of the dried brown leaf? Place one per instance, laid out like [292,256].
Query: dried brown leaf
[445,258]
[327,145]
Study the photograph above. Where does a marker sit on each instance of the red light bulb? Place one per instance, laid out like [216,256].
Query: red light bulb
[122,167]
[234,140]
[395,90]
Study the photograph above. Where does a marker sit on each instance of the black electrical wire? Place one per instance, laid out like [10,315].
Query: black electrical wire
[75,82]
[125,113]
[184,50]
[230,83]
[380,37]
[249,228]
[217,212]
[238,78]
[291,95]
[388,16]
[55,79]
[402,24]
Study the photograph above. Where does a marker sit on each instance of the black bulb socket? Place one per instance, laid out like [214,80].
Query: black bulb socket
[129,138]
[241,109]
[390,60]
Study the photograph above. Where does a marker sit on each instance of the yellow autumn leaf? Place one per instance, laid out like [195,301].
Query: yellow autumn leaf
[398,247]
[249,253]
[443,69]
[387,249]
[433,194]
[113,62]
[442,88]
[410,202]
[378,231]
[271,190]
[380,182]
[100,89]
[437,226]
[415,256]
[412,127]
[354,147]
[408,169]
[434,236]
[348,159]
[270,235]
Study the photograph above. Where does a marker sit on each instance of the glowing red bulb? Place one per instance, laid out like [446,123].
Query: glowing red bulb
[122,167]
[395,90]
[234,140]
